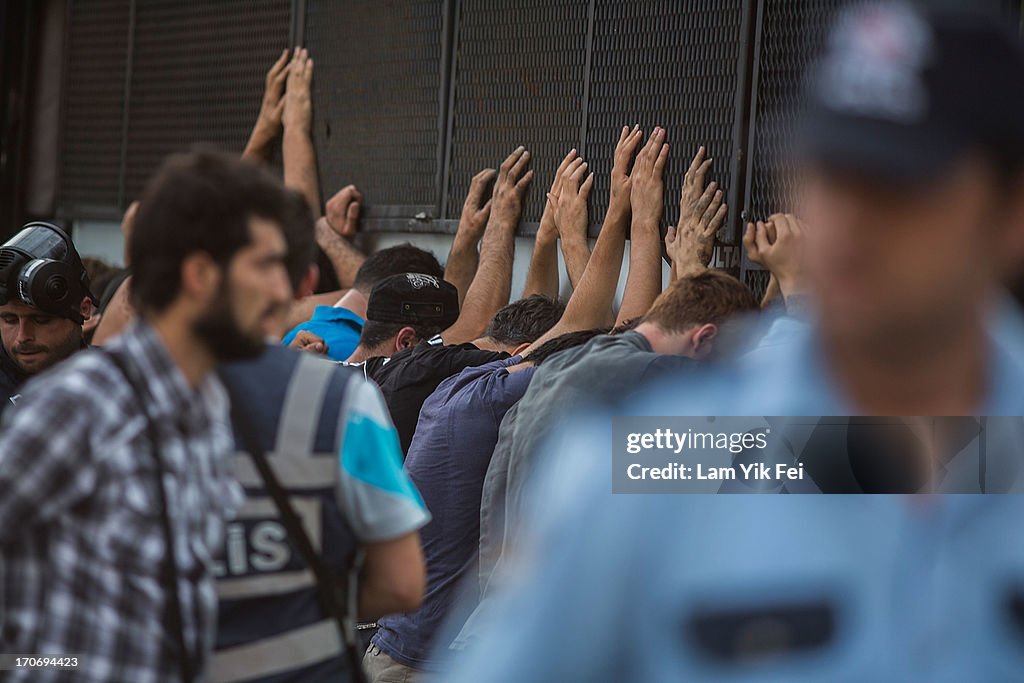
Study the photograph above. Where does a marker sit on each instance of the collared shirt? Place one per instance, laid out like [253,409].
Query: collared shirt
[447,461]
[11,379]
[81,546]
[887,589]
[759,589]
[340,329]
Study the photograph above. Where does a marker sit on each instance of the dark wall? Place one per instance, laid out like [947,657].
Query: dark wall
[412,97]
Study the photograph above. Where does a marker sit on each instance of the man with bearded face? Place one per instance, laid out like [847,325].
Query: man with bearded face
[37,337]
[115,475]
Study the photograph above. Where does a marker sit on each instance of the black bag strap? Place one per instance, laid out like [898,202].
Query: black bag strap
[172,614]
[333,595]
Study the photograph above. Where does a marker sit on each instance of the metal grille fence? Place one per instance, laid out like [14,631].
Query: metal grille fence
[96,62]
[197,76]
[520,78]
[412,97]
[377,99]
[670,64]
[789,35]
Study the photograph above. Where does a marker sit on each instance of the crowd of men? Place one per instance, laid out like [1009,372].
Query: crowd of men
[218,468]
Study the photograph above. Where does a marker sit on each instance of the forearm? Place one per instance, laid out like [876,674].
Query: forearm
[789,286]
[343,255]
[542,277]
[393,578]
[771,292]
[590,303]
[576,252]
[491,287]
[463,259]
[260,144]
[643,284]
[687,268]
[300,167]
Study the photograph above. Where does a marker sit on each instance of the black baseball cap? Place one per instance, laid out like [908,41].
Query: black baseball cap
[902,92]
[414,299]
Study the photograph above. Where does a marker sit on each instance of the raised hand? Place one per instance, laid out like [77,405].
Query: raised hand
[547,219]
[491,286]
[475,210]
[542,276]
[307,341]
[298,103]
[647,187]
[510,189]
[273,90]
[702,212]
[571,208]
[621,181]
[268,122]
[343,211]
[777,244]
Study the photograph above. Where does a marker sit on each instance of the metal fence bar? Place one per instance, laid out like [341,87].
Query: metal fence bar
[126,109]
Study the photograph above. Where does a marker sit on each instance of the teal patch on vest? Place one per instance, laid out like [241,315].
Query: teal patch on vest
[371,454]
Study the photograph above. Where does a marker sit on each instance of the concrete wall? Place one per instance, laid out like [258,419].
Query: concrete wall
[103,240]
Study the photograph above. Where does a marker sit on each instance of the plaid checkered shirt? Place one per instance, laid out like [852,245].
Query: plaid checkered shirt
[81,544]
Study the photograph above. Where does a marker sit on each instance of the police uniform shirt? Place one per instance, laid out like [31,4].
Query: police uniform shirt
[346,483]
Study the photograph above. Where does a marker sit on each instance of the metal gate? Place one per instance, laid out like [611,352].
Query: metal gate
[412,97]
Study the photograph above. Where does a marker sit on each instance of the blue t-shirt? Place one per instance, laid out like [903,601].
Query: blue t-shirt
[338,327]
[455,436]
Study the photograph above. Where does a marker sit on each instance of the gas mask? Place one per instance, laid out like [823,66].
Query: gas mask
[41,267]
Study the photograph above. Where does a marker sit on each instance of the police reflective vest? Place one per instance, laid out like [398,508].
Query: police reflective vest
[271,622]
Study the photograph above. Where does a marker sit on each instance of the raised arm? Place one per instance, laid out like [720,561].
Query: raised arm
[492,284]
[647,199]
[268,122]
[573,236]
[542,277]
[298,152]
[336,228]
[702,211]
[464,258]
[590,303]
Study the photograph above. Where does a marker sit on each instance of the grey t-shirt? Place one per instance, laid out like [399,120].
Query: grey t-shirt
[598,374]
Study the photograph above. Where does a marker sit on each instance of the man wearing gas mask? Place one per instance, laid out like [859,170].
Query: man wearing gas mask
[44,300]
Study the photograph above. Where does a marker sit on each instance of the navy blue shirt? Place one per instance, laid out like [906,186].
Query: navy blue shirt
[360,494]
[447,461]
[410,376]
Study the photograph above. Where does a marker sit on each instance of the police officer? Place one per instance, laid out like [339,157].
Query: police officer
[334,451]
[44,300]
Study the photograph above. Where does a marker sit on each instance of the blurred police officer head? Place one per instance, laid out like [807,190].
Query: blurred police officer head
[912,143]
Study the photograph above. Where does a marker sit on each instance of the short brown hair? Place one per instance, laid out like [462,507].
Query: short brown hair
[709,297]
[200,201]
